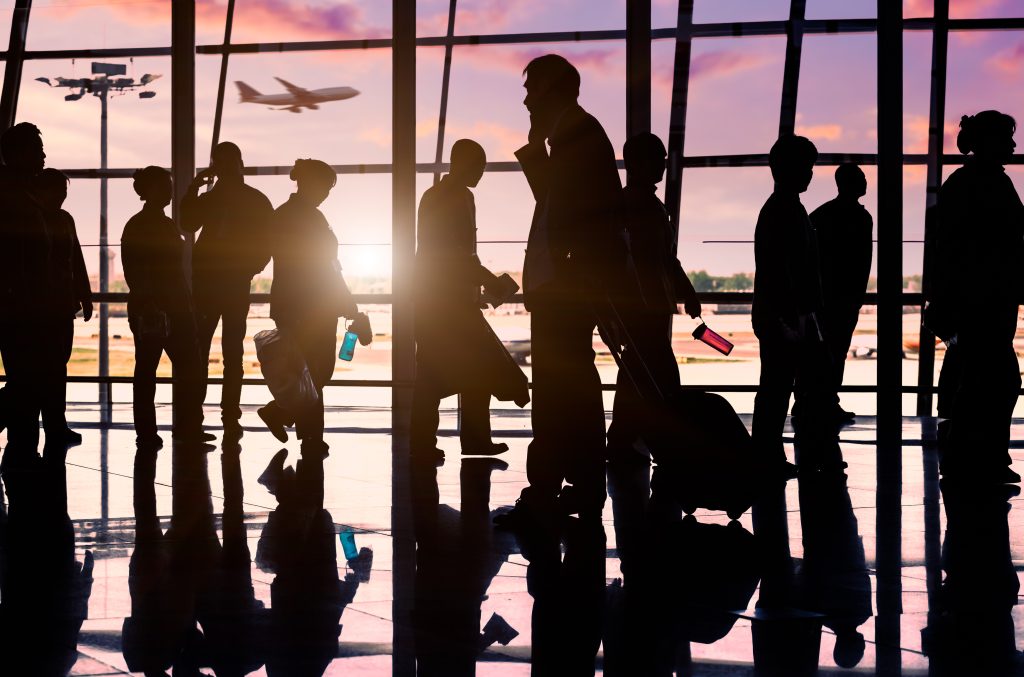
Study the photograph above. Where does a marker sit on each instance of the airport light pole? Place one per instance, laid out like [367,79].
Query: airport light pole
[100,85]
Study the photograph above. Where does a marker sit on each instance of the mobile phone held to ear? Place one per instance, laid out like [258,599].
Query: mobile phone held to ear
[704,334]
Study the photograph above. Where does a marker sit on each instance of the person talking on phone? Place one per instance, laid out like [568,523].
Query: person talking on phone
[308,296]
[232,248]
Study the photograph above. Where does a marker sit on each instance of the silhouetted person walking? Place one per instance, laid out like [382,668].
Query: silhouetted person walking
[70,293]
[787,302]
[980,235]
[663,285]
[231,249]
[844,230]
[160,314]
[448,280]
[24,287]
[308,296]
[572,258]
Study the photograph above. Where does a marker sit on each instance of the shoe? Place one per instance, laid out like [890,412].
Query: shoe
[1010,477]
[785,471]
[487,449]
[194,436]
[434,457]
[149,442]
[845,416]
[271,476]
[71,438]
[276,427]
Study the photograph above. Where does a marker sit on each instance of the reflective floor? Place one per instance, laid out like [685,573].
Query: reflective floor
[191,563]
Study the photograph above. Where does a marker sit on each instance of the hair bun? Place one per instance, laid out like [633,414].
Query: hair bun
[965,139]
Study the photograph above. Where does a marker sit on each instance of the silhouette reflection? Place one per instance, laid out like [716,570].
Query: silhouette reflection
[458,554]
[44,590]
[972,630]
[307,596]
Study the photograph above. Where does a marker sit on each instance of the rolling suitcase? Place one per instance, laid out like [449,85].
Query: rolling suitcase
[699,440]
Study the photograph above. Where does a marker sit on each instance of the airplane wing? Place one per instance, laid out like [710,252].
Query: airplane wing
[294,90]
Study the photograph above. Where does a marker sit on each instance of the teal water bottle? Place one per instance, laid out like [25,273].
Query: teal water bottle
[348,543]
[348,346]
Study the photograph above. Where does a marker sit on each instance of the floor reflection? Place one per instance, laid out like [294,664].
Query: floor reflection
[243,560]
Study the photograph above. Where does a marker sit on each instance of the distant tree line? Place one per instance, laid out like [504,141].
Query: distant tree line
[705,282]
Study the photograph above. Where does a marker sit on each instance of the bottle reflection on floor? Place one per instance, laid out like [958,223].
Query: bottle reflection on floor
[193,601]
[972,630]
[44,589]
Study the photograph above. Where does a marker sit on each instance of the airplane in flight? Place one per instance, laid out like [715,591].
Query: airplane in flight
[297,97]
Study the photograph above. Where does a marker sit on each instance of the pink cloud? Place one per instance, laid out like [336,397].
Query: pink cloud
[1008,62]
[824,132]
[278,19]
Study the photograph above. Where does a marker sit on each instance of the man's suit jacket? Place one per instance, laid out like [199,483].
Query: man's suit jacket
[576,245]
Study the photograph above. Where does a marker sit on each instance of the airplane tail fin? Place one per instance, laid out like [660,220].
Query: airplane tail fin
[247,93]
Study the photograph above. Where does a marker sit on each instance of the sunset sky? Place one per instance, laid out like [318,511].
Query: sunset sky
[734,104]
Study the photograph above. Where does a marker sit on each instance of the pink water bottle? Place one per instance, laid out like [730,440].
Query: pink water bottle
[704,334]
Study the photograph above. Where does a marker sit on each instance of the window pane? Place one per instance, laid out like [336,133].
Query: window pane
[836,104]
[712,11]
[138,129]
[351,131]
[918,8]
[486,97]
[429,74]
[475,17]
[986,71]
[976,9]
[93,24]
[305,20]
[734,96]
[917,85]
[841,9]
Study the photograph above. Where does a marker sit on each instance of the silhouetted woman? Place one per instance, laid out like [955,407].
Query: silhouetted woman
[160,313]
[308,295]
[980,236]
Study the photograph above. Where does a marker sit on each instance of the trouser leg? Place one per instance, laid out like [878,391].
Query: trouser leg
[235,308]
[568,412]
[771,403]
[207,316]
[318,343]
[425,417]
[476,419]
[189,376]
[147,358]
[55,398]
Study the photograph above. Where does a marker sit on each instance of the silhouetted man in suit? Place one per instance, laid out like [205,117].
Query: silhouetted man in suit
[571,256]
[663,284]
[24,287]
[787,303]
[456,351]
[231,249]
[844,229]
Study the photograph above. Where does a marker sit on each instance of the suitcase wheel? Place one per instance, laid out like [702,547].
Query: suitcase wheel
[735,513]
[689,508]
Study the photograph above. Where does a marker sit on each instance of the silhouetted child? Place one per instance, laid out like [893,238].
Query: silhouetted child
[663,285]
[449,276]
[70,293]
[786,306]
[844,231]
[160,313]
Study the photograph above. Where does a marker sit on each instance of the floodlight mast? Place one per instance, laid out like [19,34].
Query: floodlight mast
[100,86]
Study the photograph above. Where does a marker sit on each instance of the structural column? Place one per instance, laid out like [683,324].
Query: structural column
[183,108]
[890,333]
[15,61]
[403,365]
[638,67]
[677,113]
